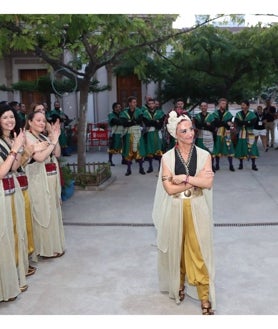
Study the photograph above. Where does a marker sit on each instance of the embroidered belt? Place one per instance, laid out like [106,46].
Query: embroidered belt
[51,168]
[190,193]
[8,184]
[22,180]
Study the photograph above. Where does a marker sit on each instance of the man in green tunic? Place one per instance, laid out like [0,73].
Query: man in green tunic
[52,116]
[153,119]
[115,140]
[133,141]
[204,123]
[246,147]
[223,145]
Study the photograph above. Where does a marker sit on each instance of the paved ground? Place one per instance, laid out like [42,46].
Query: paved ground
[110,263]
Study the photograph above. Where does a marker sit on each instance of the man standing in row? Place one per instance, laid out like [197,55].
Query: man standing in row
[133,142]
[223,145]
[246,147]
[168,140]
[153,119]
[115,140]
[270,113]
[204,123]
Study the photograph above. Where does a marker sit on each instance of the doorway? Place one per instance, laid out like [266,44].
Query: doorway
[28,97]
[129,86]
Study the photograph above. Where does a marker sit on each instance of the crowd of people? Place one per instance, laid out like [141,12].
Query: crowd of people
[187,149]
[140,134]
[31,226]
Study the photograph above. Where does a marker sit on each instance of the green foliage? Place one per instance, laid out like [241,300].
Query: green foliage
[204,62]
[5,88]
[84,177]
[211,62]
[45,84]
[93,40]
[67,175]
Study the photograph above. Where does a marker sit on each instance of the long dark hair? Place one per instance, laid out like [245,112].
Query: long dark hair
[5,108]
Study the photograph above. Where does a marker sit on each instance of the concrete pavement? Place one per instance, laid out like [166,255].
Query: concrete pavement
[109,267]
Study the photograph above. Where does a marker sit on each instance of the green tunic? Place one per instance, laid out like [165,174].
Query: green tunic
[246,146]
[152,136]
[133,141]
[223,145]
[117,131]
[205,127]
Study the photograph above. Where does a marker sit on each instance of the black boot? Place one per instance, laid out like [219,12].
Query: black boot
[212,165]
[128,171]
[150,165]
[254,167]
[230,159]
[141,169]
[217,163]
[110,160]
[159,162]
[240,164]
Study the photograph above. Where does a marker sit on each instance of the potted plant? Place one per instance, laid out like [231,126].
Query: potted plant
[67,182]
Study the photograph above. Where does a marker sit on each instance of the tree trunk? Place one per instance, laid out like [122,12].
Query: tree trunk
[82,126]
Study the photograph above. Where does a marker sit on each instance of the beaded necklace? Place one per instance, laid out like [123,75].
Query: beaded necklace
[187,163]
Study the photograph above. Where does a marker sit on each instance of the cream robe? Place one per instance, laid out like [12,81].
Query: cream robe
[23,262]
[167,217]
[22,252]
[9,284]
[45,197]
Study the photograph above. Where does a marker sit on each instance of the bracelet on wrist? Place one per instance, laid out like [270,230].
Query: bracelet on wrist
[13,153]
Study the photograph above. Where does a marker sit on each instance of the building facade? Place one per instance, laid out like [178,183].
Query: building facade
[19,67]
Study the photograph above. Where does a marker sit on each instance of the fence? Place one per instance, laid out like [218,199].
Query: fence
[93,174]
[97,135]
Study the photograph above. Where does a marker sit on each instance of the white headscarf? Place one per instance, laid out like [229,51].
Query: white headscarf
[173,121]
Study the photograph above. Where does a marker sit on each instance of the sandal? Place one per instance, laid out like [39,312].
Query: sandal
[31,270]
[10,299]
[23,288]
[56,255]
[206,308]
[181,294]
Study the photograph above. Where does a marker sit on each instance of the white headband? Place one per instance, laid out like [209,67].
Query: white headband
[173,121]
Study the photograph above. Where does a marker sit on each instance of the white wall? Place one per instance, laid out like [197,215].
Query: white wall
[99,104]
[102,101]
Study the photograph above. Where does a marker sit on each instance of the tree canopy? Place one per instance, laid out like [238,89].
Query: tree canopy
[208,62]
[213,62]
[93,41]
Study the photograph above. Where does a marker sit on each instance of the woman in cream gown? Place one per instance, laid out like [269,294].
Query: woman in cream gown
[45,188]
[13,244]
[182,214]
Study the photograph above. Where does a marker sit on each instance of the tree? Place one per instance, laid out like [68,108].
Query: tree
[213,62]
[93,41]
